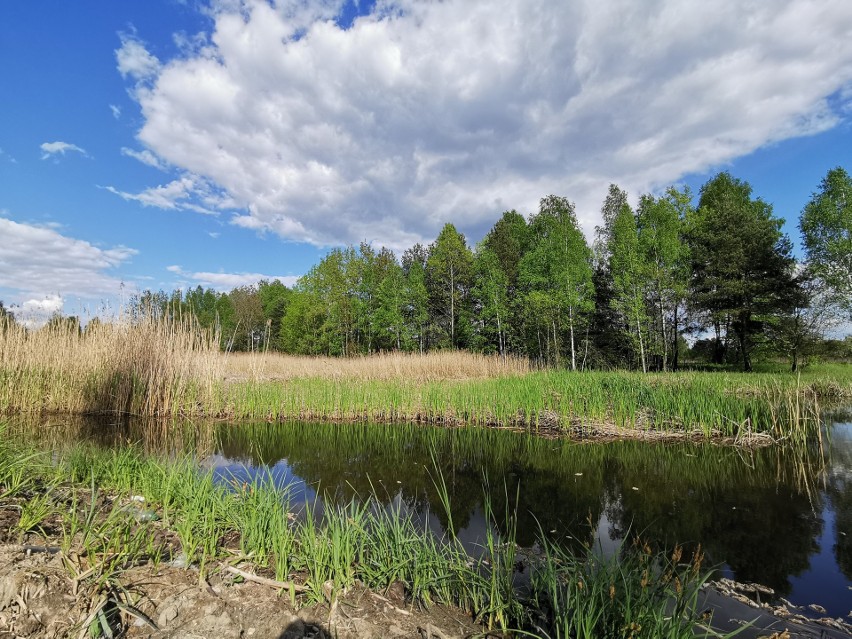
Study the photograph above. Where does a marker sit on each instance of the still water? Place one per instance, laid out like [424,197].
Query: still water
[773,516]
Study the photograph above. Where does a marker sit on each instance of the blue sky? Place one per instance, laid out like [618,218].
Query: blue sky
[164,144]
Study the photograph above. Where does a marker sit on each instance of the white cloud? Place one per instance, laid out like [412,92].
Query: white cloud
[427,112]
[228,281]
[7,157]
[144,156]
[187,193]
[38,262]
[50,149]
[134,59]
[116,111]
[33,313]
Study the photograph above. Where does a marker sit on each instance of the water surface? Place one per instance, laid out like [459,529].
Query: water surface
[772,516]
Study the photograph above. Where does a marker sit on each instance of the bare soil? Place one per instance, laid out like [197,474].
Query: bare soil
[48,593]
[38,598]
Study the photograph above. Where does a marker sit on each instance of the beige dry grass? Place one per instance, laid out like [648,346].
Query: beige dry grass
[147,368]
[174,367]
[412,367]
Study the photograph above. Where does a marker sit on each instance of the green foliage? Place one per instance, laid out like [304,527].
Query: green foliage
[556,275]
[630,272]
[826,226]
[449,270]
[665,255]
[741,262]
[535,288]
[490,292]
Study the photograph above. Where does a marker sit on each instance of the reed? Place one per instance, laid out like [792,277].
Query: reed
[174,368]
[429,367]
[148,368]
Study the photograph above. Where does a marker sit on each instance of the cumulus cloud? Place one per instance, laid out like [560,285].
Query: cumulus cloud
[35,312]
[116,111]
[144,156]
[50,149]
[39,263]
[134,60]
[426,112]
[228,281]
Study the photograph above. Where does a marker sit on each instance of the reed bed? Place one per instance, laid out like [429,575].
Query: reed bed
[414,367]
[317,554]
[173,368]
[145,368]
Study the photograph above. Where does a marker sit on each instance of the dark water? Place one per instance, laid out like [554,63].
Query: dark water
[772,516]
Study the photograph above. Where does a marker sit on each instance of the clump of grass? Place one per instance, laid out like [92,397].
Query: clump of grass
[633,593]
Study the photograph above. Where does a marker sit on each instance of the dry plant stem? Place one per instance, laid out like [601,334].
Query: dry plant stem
[280,585]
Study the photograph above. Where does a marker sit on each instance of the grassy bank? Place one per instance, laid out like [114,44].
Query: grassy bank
[174,369]
[106,510]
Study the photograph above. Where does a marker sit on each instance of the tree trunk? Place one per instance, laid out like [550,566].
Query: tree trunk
[718,348]
[555,345]
[742,333]
[452,308]
[675,345]
[571,325]
[499,328]
[641,345]
[663,336]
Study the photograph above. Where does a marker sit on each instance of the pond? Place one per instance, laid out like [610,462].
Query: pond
[774,516]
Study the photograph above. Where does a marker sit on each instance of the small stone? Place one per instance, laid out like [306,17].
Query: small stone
[169,614]
[817,608]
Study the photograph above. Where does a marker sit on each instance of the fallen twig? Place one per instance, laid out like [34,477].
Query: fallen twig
[287,585]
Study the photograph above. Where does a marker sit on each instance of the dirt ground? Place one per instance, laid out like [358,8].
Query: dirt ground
[38,598]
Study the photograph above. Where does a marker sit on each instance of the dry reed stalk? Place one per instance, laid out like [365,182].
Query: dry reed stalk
[414,367]
[146,367]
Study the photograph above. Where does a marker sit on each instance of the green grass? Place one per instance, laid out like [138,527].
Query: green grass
[327,549]
[727,404]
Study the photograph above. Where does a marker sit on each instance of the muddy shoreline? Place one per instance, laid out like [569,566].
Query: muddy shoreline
[39,599]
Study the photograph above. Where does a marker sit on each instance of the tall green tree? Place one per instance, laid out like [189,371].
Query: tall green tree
[491,292]
[609,348]
[509,240]
[826,226]
[416,294]
[799,331]
[630,270]
[742,269]
[391,304]
[250,327]
[660,224]
[274,297]
[449,268]
[304,325]
[559,266]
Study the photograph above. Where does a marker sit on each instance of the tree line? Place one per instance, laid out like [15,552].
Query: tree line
[721,272]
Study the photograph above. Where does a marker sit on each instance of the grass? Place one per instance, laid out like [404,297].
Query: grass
[326,550]
[175,369]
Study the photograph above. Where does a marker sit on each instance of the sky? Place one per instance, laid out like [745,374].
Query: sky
[157,144]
